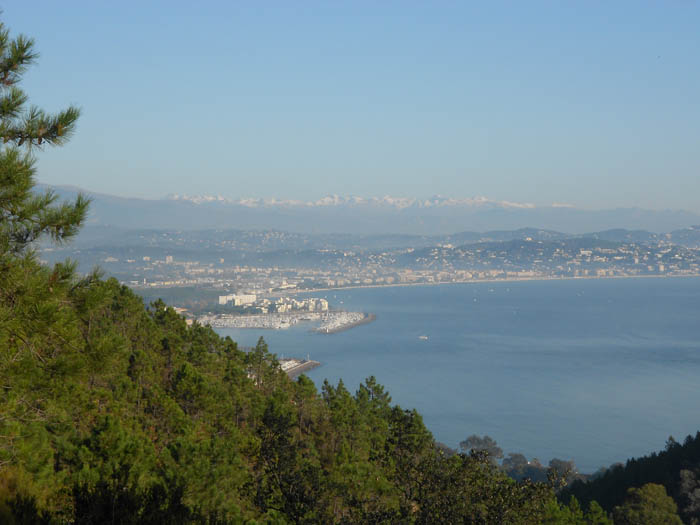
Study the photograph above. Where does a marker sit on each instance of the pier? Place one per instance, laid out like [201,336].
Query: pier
[295,367]
[345,323]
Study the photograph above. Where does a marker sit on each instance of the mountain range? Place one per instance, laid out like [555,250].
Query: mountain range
[358,215]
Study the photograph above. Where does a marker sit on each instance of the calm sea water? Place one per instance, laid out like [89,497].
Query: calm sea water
[591,370]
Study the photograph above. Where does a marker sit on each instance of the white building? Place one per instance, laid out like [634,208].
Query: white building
[237,299]
[223,299]
[243,299]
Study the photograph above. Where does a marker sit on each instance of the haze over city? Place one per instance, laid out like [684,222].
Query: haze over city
[592,105]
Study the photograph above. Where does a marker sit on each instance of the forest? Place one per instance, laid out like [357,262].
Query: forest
[113,411]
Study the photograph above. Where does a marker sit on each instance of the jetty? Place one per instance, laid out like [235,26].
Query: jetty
[295,367]
[345,321]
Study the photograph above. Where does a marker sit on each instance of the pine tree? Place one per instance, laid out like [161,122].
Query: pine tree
[35,325]
[24,215]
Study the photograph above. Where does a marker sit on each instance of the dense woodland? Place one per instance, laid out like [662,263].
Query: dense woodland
[677,469]
[114,412]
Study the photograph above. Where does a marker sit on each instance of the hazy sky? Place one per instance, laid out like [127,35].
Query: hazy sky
[596,104]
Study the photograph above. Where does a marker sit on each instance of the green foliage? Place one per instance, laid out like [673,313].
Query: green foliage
[19,125]
[675,468]
[486,444]
[133,416]
[572,514]
[648,505]
[158,419]
[38,330]
[689,495]
[24,215]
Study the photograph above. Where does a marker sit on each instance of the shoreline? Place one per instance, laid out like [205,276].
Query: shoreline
[494,280]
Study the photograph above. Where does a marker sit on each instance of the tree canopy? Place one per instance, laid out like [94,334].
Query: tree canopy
[647,505]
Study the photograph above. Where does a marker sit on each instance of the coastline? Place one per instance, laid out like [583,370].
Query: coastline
[348,358]
[494,280]
[284,321]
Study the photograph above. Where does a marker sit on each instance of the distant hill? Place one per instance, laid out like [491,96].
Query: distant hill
[436,216]
[623,235]
[689,237]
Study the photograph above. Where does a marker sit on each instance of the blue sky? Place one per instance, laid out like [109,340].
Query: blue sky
[595,104]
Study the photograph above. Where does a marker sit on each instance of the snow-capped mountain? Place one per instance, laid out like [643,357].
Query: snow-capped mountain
[336,200]
[368,215]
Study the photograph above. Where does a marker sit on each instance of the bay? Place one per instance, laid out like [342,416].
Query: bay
[591,370]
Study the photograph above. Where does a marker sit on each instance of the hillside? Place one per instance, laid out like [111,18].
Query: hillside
[116,410]
[676,468]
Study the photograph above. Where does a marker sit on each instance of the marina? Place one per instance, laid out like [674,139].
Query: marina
[329,322]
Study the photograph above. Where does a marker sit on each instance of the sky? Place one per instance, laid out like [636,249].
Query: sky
[594,104]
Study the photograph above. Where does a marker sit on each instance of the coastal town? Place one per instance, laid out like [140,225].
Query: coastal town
[526,259]
[274,280]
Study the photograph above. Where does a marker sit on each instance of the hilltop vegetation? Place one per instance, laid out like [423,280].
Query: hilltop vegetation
[127,412]
[677,469]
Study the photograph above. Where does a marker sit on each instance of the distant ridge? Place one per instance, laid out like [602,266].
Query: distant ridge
[336,200]
[379,215]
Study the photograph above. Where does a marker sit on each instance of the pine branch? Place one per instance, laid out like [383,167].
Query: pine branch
[15,60]
[11,105]
[25,216]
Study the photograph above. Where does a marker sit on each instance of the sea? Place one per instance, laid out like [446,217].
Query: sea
[595,370]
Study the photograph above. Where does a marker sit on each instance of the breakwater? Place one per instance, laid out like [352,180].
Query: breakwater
[295,367]
[346,322]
